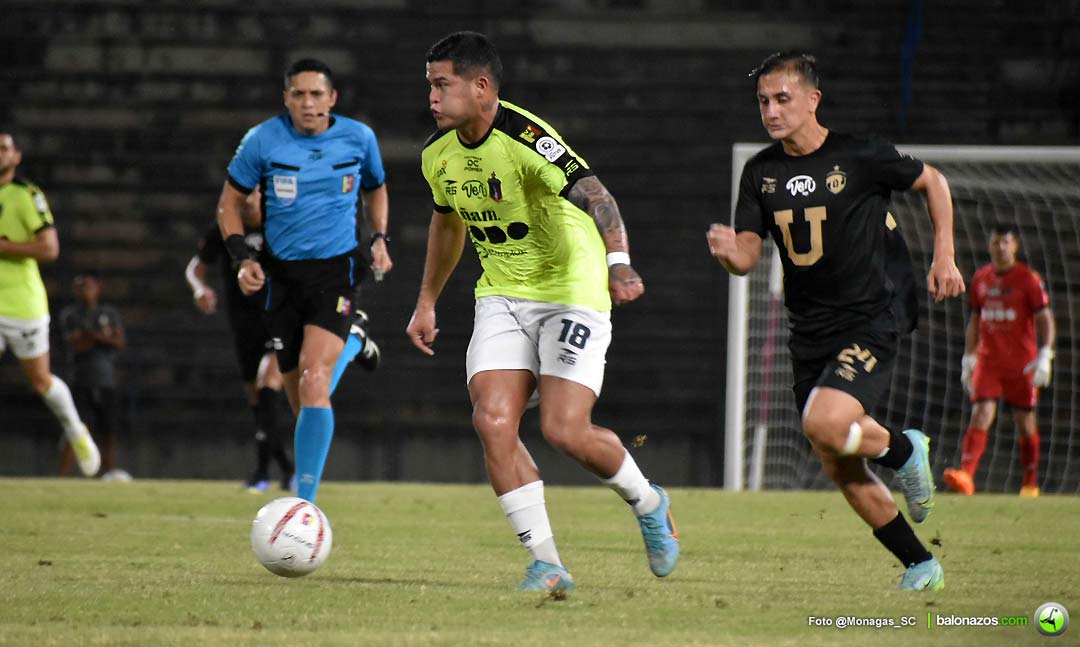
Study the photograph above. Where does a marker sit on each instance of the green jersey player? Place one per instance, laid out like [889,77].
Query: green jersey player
[555,256]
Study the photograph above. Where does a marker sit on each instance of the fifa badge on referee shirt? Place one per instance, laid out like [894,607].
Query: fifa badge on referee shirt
[495,188]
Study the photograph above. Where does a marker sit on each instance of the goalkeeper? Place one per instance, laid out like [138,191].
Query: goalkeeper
[823,197]
[1010,310]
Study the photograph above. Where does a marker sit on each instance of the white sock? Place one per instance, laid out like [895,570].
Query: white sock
[525,509]
[633,487]
[58,399]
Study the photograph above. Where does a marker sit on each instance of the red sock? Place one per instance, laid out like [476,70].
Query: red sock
[1029,458]
[974,445]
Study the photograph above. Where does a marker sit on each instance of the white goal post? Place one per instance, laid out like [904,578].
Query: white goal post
[1024,185]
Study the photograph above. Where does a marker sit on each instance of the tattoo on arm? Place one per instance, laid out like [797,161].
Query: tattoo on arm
[592,197]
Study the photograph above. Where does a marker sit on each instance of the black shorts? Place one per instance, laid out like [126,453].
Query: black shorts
[251,337]
[859,363]
[319,292]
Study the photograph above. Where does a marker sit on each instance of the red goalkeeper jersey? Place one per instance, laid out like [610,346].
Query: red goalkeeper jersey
[1006,304]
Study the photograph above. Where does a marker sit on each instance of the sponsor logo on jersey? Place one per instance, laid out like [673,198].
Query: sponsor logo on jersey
[315,154]
[347,183]
[530,133]
[549,148]
[802,184]
[442,170]
[836,180]
[768,185]
[473,164]
[285,189]
[474,189]
[495,187]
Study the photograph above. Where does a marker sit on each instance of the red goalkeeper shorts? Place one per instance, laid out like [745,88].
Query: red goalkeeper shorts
[991,383]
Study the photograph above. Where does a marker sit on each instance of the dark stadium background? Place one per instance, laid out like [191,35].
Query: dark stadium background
[128,112]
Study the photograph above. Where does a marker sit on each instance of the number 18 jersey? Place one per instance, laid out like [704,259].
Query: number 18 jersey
[828,215]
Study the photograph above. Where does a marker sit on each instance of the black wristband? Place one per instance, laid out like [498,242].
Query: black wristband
[238,249]
[376,236]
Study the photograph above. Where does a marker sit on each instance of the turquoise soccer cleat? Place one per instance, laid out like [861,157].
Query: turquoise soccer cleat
[660,535]
[545,576]
[924,576]
[915,478]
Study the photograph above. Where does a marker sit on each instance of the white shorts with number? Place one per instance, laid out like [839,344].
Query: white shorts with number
[27,338]
[555,339]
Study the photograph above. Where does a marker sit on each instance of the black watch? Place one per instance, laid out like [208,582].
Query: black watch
[376,236]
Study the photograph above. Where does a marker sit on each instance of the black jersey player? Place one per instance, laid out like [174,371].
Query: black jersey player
[824,196]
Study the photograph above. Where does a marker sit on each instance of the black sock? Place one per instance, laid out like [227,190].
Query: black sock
[900,449]
[901,541]
[267,414]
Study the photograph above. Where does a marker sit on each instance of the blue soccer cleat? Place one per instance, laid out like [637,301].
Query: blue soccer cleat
[661,537]
[545,576]
[916,481]
[924,576]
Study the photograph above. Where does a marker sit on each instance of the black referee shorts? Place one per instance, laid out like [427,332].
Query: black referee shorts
[860,363]
[318,292]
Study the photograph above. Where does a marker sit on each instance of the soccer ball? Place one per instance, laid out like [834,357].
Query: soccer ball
[291,537]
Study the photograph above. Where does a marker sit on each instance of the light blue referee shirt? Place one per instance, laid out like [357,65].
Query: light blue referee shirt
[309,184]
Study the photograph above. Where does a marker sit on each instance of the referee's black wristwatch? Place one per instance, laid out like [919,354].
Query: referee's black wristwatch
[376,236]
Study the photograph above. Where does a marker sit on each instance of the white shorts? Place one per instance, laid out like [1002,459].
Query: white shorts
[28,338]
[564,341]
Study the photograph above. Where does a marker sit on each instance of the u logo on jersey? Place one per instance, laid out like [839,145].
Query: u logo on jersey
[815,216]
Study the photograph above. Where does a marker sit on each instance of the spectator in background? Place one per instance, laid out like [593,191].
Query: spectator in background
[27,237]
[1008,352]
[95,333]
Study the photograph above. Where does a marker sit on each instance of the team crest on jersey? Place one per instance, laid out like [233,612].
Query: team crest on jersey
[549,148]
[530,133]
[347,183]
[285,189]
[495,187]
[768,185]
[802,184]
[836,180]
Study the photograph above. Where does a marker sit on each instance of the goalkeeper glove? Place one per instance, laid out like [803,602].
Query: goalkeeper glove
[967,370]
[1040,367]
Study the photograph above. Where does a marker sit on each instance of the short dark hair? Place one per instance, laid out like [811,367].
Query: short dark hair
[803,64]
[470,52]
[309,65]
[1002,228]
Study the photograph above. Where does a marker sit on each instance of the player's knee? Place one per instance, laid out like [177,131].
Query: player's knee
[493,423]
[826,431]
[563,430]
[315,386]
[41,383]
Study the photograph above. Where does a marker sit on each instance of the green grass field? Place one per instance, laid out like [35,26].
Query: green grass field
[168,563]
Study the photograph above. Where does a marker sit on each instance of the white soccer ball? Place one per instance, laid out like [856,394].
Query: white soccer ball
[291,537]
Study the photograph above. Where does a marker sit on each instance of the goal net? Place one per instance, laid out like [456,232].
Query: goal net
[1034,188]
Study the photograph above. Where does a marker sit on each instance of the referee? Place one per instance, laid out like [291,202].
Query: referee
[310,165]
